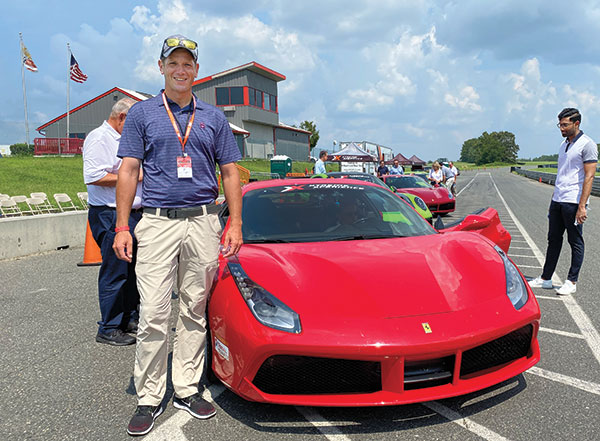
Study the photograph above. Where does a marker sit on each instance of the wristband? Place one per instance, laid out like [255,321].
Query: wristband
[123,228]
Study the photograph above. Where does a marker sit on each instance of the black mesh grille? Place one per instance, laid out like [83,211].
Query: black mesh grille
[295,375]
[448,206]
[494,353]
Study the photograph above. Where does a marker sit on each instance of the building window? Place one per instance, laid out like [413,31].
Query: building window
[229,95]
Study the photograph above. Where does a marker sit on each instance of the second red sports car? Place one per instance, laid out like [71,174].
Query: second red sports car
[440,200]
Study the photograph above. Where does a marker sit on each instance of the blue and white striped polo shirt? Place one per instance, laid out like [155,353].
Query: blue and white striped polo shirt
[149,135]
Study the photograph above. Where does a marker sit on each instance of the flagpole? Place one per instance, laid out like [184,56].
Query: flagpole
[24,90]
[68,96]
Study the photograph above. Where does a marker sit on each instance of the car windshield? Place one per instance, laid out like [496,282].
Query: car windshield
[406,182]
[360,176]
[327,212]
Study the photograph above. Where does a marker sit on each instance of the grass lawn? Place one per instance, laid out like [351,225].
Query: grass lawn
[25,175]
[53,174]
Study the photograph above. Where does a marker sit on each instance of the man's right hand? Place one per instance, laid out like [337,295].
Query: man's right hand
[123,245]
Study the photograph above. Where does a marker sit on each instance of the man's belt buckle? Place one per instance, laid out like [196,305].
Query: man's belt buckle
[171,213]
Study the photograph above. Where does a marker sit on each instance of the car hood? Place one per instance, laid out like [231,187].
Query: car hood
[382,278]
[427,194]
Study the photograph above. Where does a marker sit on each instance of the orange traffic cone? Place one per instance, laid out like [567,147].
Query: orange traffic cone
[540,179]
[91,251]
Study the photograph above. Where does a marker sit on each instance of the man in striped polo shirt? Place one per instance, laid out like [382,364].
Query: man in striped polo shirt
[179,140]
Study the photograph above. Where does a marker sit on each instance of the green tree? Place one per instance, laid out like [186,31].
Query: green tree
[490,147]
[311,127]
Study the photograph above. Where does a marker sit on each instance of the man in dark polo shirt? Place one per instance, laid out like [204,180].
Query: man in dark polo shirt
[179,140]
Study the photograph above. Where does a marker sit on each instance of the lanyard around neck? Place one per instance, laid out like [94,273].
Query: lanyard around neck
[188,129]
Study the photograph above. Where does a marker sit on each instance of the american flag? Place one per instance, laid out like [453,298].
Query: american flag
[27,61]
[76,74]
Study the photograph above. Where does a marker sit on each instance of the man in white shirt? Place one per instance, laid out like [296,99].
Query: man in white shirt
[320,164]
[455,171]
[117,290]
[577,161]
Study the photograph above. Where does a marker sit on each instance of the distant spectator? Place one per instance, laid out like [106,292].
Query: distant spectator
[382,170]
[449,177]
[396,169]
[456,173]
[320,164]
[117,289]
[435,174]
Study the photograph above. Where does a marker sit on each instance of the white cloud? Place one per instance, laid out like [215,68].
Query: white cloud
[529,93]
[466,100]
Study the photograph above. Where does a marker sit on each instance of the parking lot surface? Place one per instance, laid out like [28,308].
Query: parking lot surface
[57,383]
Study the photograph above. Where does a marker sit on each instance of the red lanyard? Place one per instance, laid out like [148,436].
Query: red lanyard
[188,129]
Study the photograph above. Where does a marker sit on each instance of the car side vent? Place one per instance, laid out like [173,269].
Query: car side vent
[428,373]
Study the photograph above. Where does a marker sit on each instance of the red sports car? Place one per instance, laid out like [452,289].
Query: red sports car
[440,200]
[310,311]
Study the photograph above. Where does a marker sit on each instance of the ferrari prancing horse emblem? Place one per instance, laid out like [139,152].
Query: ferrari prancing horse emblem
[426,328]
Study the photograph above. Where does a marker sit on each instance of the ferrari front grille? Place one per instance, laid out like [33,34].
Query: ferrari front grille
[298,375]
[448,206]
[497,352]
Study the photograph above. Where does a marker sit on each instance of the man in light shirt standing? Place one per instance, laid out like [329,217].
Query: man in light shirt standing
[320,164]
[577,161]
[117,290]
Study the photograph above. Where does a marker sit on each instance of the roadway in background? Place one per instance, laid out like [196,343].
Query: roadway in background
[57,383]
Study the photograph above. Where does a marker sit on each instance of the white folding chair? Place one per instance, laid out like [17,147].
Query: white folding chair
[46,206]
[21,202]
[10,208]
[64,202]
[36,205]
[83,198]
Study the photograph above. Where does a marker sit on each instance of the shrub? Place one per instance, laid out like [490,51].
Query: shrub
[21,149]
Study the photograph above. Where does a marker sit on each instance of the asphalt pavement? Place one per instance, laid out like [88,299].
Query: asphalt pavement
[57,383]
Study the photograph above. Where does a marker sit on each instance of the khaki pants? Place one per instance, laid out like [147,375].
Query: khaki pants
[169,249]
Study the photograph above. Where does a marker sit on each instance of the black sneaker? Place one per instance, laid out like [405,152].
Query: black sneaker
[142,420]
[115,338]
[132,327]
[196,406]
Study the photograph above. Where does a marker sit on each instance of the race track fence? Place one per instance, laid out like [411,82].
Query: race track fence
[550,178]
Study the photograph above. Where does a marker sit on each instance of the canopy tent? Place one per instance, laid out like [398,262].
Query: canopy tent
[351,153]
[416,161]
[401,159]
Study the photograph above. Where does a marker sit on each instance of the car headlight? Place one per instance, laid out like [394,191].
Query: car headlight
[268,309]
[420,203]
[515,285]
[450,195]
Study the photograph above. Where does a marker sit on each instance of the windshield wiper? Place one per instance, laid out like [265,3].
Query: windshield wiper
[268,241]
[363,237]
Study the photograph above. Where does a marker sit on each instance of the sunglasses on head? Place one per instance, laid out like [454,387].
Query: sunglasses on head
[176,42]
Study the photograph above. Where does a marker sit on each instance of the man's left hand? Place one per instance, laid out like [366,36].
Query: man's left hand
[233,241]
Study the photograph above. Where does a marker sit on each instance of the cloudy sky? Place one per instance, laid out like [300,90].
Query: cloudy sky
[419,76]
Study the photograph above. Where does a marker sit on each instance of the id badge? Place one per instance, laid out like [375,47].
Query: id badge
[184,167]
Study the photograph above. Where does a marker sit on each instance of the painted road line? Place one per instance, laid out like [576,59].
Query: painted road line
[519,248]
[519,255]
[592,337]
[466,423]
[565,333]
[466,186]
[587,386]
[529,266]
[549,298]
[327,428]
[171,430]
